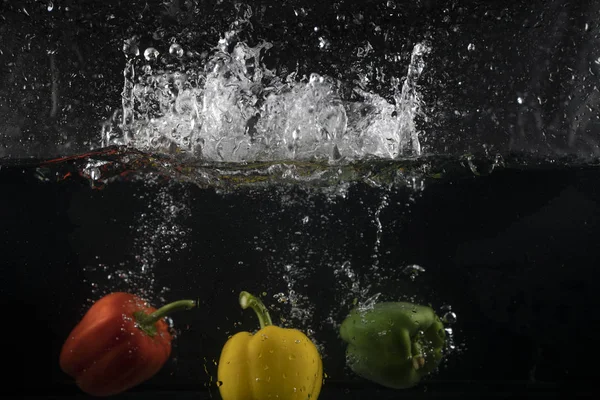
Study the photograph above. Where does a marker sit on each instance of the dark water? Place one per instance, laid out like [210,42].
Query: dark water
[512,252]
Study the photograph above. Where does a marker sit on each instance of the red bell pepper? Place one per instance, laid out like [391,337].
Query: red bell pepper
[120,342]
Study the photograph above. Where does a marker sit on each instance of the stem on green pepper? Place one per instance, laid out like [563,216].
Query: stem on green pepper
[418,360]
[248,300]
[146,322]
[417,349]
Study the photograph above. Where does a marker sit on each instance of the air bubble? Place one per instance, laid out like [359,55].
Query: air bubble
[450,317]
[413,271]
[176,50]
[93,173]
[324,44]
[130,47]
[151,53]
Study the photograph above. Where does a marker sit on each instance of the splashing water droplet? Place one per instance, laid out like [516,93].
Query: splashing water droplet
[95,174]
[413,271]
[92,172]
[369,303]
[324,44]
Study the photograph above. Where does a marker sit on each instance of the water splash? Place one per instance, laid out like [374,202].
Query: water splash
[230,107]
[350,283]
[301,308]
[410,102]
[157,236]
[350,291]
[369,303]
[413,271]
[378,233]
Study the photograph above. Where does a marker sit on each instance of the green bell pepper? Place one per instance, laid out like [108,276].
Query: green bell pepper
[394,344]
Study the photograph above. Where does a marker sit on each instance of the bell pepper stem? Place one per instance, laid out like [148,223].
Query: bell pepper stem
[169,308]
[248,300]
[146,322]
[418,360]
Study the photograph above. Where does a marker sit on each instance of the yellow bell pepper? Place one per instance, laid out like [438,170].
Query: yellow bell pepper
[275,363]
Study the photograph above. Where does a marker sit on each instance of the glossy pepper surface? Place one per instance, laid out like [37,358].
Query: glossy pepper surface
[120,342]
[394,344]
[275,363]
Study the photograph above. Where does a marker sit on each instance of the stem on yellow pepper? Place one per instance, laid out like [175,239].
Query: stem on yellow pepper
[248,300]
[146,321]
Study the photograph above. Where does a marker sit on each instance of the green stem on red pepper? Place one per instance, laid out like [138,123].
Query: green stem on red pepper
[248,300]
[147,322]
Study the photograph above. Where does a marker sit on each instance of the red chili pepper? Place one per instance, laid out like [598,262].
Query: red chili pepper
[120,342]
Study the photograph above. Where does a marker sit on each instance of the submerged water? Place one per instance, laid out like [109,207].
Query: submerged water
[502,248]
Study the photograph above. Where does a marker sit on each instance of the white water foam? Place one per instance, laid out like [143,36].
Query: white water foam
[232,108]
